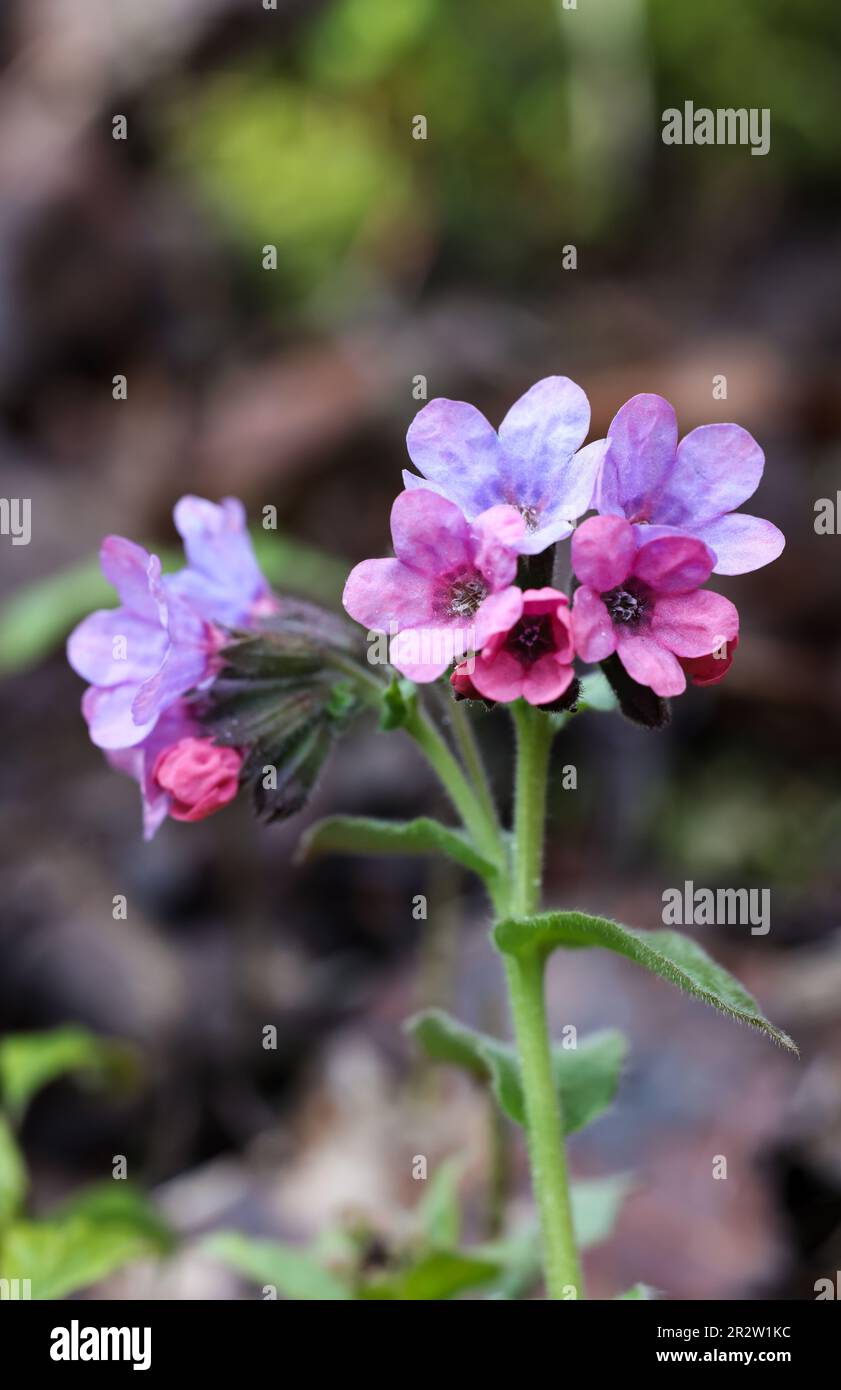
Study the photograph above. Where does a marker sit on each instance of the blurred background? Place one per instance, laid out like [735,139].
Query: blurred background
[398,257]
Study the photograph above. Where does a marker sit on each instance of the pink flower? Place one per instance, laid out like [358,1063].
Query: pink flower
[175,723]
[530,657]
[199,777]
[644,602]
[448,589]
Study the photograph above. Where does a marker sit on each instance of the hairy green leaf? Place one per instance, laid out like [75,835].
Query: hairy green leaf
[676,958]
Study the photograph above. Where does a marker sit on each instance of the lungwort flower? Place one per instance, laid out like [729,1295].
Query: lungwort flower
[530,657]
[535,462]
[644,602]
[449,587]
[691,487]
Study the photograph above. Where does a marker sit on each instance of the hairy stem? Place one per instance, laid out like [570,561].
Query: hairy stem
[526,993]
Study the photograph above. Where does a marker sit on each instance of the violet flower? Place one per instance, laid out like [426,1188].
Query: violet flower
[448,588]
[691,487]
[531,464]
[644,602]
[142,656]
[222,581]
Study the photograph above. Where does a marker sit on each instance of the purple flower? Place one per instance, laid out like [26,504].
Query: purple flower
[691,487]
[449,587]
[142,656]
[644,602]
[532,464]
[222,580]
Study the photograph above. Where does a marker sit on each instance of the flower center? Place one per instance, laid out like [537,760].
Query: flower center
[465,595]
[626,606]
[530,517]
[531,638]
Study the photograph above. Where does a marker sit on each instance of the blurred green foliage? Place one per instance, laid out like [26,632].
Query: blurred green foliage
[544,128]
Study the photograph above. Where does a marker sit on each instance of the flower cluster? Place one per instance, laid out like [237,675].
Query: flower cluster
[161,643]
[485,504]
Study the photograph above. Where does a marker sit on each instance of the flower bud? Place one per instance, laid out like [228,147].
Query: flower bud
[199,776]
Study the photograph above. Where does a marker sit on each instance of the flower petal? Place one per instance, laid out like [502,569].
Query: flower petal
[742,543]
[429,533]
[650,664]
[134,573]
[642,441]
[546,680]
[603,552]
[716,468]
[694,624]
[497,535]
[92,645]
[540,433]
[424,653]
[674,564]
[453,445]
[183,668]
[496,613]
[107,710]
[223,578]
[592,629]
[499,677]
[384,595]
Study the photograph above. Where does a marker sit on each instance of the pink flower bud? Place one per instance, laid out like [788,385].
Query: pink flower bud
[199,776]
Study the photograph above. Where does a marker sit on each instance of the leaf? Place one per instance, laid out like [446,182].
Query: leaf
[78,1248]
[13,1178]
[399,702]
[30,1061]
[292,1271]
[587,1077]
[596,1203]
[438,1275]
[641,1291]
[118,1203]
[439,1210]
[360,835]
[597,693]
[676,958]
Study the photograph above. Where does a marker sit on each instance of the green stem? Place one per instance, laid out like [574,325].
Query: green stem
[526,992]
[464,798]
[472,758]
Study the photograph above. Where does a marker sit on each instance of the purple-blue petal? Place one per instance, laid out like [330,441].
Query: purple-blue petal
[642,442]
[716,468]
[741,543]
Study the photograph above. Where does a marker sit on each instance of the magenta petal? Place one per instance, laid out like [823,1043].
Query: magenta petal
[603,551]
[454,446]
[546,680]
[430,534]
[498,533]
[716,468]
[496,613]
[384,595]
[134,573]
[424,653]
[694,624]
[650,664]
[674,564]
[592,630]
[108,711]
[545,426]
[91,647]
[499,678]
[742,543]
[642,440]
